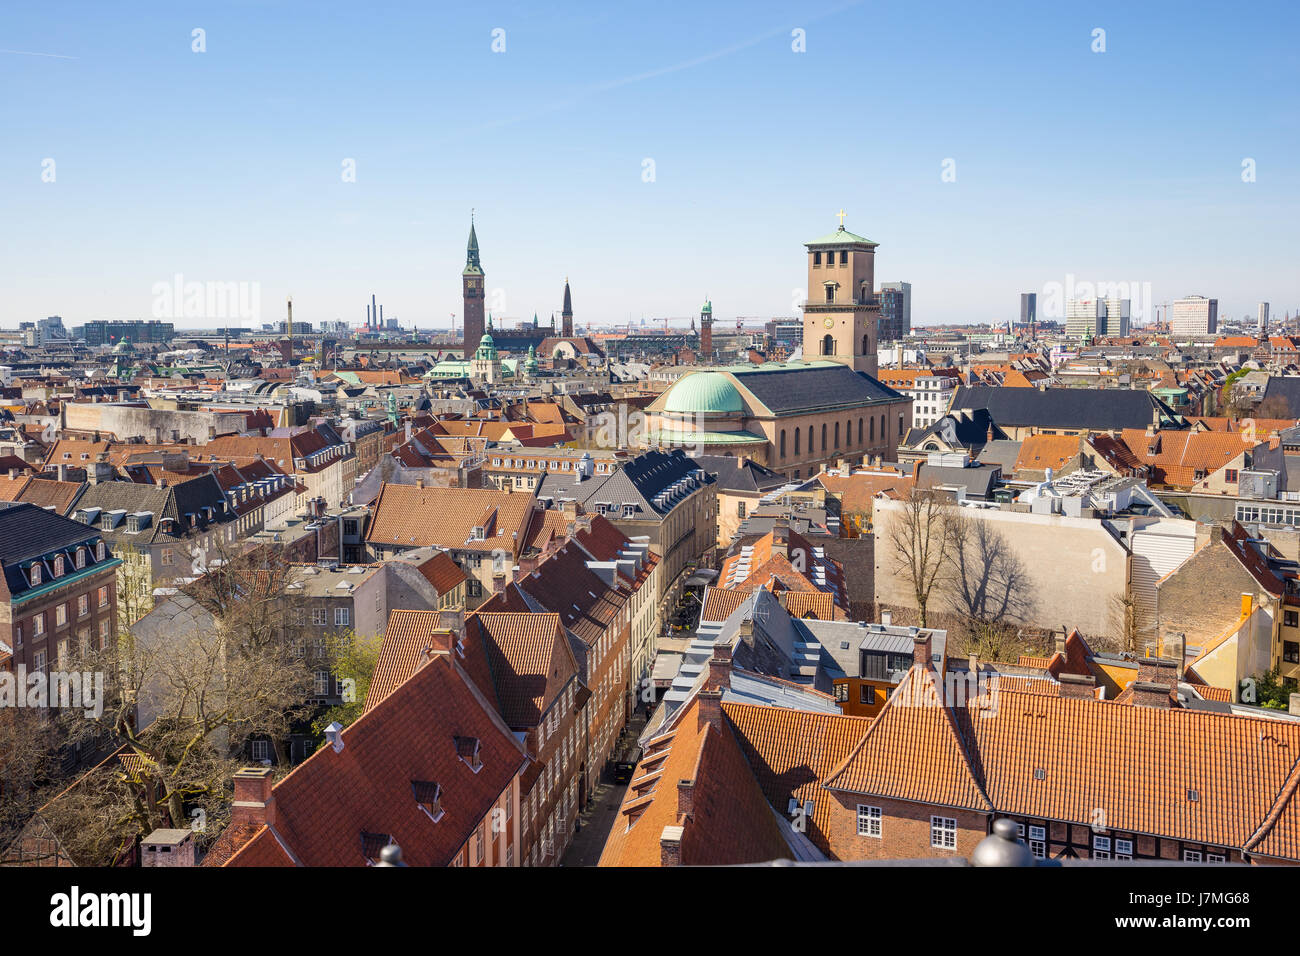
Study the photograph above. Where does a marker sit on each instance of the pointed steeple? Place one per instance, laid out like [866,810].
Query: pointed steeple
[566,314]
[472,265]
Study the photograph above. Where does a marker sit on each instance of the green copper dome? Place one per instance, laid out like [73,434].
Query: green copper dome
[704,392]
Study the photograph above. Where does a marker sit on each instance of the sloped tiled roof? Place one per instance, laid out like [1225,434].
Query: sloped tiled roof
[529,661]
[913,751]
[791,751]
[732,821]
[325,805]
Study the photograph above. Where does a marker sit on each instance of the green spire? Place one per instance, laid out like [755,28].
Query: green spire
[472,265]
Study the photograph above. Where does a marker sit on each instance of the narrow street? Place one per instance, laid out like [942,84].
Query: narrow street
[602,811]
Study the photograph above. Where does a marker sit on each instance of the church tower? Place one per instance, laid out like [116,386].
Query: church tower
[566,315]
[842,315]
[706,331]
[472,280]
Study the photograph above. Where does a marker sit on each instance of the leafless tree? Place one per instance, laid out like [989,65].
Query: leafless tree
[918,536]
[186,687]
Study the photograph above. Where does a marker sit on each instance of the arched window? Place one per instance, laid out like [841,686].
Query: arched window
[883,436]
[58,565]
[783,442]
[796,440]
[36,574]
[859,430]
[823,437]
[81,557]
[900,424]
[828,344]
[837,434]
[101,551]
[866,343]
[873,429]
[810,439]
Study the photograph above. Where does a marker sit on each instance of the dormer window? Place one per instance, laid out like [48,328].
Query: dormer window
[479,533]
[429,798]
[36,575]
[81,558]
[372,844]
[58,565]
[101,551]
[467,748]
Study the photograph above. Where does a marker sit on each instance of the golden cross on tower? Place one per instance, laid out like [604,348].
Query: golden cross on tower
[841,215]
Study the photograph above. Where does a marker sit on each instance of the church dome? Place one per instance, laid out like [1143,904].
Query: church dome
[704,392]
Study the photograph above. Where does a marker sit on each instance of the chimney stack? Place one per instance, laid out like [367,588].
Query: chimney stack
[720,667]
[254,802]
[685,799]
[1075,686]
[1150,694]
[670,846]
[710,704]
[921,650]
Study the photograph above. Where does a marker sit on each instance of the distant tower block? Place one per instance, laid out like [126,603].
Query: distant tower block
[472,280]
[566,314]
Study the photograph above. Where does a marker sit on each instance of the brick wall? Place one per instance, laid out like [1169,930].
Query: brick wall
[904,830]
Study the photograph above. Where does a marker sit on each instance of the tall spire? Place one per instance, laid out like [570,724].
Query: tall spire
[566,314]
[472,266]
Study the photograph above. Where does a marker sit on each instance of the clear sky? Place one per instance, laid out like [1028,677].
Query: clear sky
[227,165]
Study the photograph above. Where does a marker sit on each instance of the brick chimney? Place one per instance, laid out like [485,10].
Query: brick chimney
[1157,670]
[710,707]
[1148,693]
[685,799]
[1076,686]
[781,537]
[921,649]
[670,846]
[254,803]
[747,631]
[719,667]
[1060,642]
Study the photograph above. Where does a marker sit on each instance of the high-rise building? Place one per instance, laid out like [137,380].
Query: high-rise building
[1028,310]
[1263,319]
[891,315]
[1194,315]
[904,321]
[842,315]
[706,330]
[472,281]
[1086,318]
[138,331]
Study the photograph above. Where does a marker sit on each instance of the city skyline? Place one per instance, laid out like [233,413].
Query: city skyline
[229,165]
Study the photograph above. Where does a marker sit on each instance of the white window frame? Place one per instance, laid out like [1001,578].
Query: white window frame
[1100,848]
[942,831]
[342,616]
[869,821]
[1123,849]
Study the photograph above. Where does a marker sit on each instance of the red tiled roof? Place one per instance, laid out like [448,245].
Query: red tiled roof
[411,639]
[731,822]
[323,807]
[791,751]
[529,662]
[936,768]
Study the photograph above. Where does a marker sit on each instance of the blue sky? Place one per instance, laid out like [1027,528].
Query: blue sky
[225,166]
